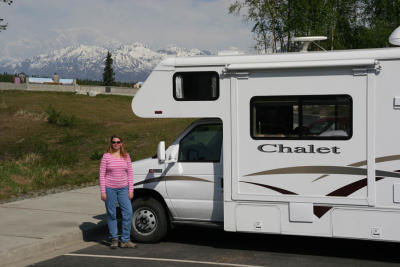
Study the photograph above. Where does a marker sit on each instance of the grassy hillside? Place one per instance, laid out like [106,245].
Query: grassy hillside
[37,154]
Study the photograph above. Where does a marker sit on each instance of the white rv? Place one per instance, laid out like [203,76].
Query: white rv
[295,143]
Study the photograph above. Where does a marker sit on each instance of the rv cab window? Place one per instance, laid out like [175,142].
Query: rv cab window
[301,117]
[195,86]
[202,144]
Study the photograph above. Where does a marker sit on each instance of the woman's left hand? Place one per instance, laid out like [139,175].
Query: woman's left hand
[130,194]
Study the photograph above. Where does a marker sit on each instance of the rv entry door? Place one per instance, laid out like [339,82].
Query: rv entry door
[299,135]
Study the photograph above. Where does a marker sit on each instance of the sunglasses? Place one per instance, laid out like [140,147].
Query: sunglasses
[115,142]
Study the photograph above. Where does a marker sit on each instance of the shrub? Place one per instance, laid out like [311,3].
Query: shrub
[96,155]
[58,118]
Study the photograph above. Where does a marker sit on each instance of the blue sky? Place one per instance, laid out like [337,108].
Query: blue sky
[37,26]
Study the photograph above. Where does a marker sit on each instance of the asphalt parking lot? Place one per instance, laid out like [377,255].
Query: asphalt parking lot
[193,246]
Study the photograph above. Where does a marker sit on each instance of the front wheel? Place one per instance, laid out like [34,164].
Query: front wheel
[149,222]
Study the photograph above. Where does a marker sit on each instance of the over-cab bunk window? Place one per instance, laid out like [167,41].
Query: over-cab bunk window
[195,86]
[301,117]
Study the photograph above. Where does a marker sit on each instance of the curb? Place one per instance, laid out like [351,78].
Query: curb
[50,244]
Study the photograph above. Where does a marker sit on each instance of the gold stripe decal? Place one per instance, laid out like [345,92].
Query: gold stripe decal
[186,178]
[364,163]
[377,160]
[324,170]
[172,178]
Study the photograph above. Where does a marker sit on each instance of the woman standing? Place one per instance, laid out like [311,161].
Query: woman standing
[116,185]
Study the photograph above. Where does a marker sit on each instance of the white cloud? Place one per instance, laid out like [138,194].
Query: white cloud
[36,26]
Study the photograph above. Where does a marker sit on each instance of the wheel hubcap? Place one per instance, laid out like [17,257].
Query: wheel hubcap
[144,221]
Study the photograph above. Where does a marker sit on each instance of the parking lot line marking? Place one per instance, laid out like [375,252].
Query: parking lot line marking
[160,259]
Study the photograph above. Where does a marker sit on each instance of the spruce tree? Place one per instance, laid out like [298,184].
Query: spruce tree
[3,26]
[108,74]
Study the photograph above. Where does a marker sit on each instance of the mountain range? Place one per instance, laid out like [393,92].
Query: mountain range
[132,62]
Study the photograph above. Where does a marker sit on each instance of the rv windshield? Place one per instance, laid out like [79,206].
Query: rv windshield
[202,144]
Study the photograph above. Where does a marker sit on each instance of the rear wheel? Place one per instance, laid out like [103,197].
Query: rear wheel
[149,222]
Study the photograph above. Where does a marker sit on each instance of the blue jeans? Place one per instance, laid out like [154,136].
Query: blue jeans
[121,196]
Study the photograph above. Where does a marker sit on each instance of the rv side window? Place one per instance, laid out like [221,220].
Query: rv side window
[301,117]
[195,86]
[202,144]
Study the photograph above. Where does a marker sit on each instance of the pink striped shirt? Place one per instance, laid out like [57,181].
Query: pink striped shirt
[115,173]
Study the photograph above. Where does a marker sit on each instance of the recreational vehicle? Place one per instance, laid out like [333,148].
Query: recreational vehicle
[290,143]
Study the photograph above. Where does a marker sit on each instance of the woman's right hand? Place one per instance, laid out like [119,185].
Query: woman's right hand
[103,196]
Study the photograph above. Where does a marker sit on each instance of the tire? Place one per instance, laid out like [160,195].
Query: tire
[149,222]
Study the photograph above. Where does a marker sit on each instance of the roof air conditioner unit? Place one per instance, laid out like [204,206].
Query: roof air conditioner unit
[394,38]
[307,40]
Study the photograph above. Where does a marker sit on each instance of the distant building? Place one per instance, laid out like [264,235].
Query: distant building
[56,78]
[138,85]
[17,80]
[22,77]
[36,80]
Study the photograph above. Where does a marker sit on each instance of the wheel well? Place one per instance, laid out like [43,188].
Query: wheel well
[149,193]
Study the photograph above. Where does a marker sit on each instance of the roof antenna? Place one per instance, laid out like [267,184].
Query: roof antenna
[394,38]
[307,40]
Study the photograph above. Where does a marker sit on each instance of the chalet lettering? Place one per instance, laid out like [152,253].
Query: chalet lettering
[280,148]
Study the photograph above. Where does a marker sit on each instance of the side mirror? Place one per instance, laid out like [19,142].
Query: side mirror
[172,154]
[161,152]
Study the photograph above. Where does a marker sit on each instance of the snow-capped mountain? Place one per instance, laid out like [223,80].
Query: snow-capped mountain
[131,62]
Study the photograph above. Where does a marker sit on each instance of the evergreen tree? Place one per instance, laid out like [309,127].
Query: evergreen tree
[3,26]
[267,19]
[382,17]
[108,74]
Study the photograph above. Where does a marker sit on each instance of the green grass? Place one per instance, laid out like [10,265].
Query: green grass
[43,148]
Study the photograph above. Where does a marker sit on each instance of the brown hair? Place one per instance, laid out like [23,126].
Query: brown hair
[122,151]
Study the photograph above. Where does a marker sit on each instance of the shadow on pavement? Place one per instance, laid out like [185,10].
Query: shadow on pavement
[92,232]
[301,245]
